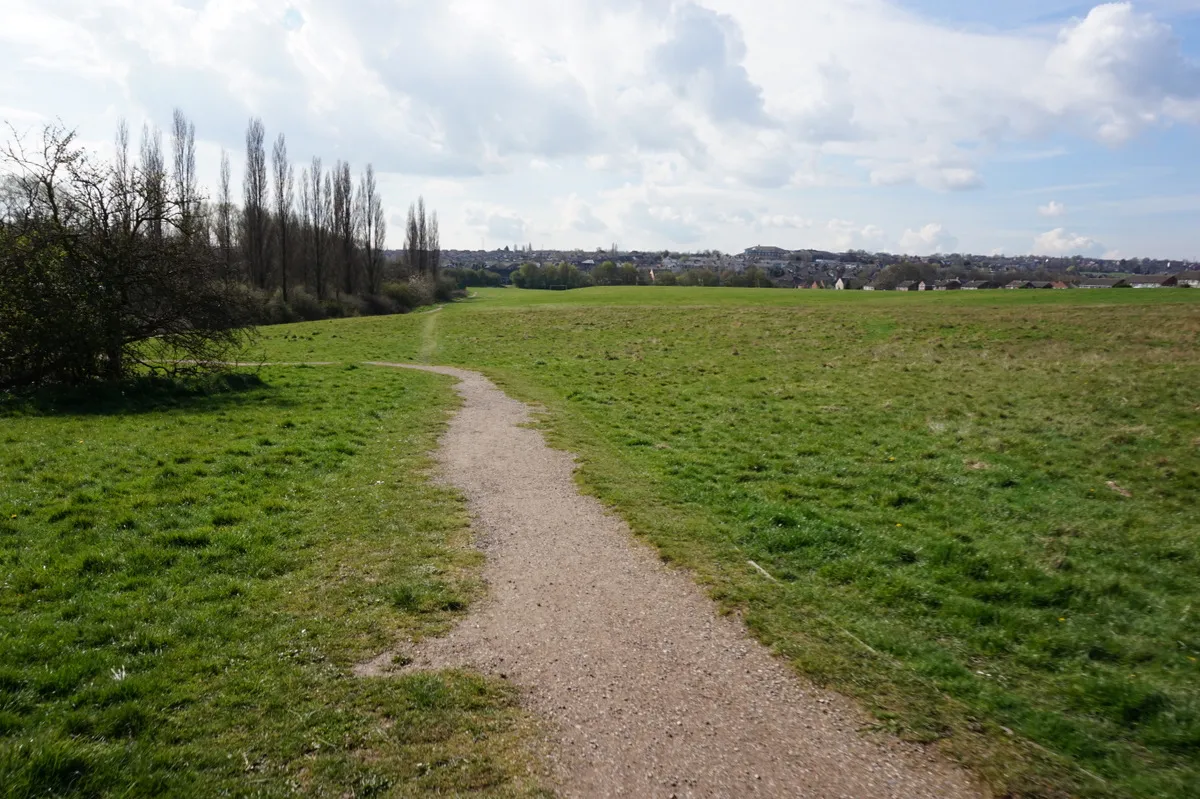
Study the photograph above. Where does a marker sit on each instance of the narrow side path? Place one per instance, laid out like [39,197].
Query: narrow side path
[429,341]
[647,692]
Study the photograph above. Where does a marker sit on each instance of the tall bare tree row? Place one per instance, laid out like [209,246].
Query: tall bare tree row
[422,247]
[320,230]
[331,237]
[321,244]
[107,264]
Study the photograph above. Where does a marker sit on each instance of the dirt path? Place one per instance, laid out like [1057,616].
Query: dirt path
[646,691]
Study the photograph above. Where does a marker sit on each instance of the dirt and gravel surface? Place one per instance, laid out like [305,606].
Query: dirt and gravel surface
[644,690]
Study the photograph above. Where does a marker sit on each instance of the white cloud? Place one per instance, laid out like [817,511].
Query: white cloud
[702,108]
[501,226]
[469,86]
[848,235]
[1061,242]
[1120,71]
[702,61]
[937,173]
[784,222]
[917,92]
[932,238]
[682,224]
[577,215]
[872,233]
[1052,209]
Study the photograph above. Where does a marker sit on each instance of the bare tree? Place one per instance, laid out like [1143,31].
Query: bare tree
[412,242]
[183,141]
[154,176]
[285,197]
[345,222]
[330,227]
[372,220]
[360,211]
[254,205]
[320,224]
[422,238]
[122,177]
[433,246]
[379,236]
[225,218]
[305,231]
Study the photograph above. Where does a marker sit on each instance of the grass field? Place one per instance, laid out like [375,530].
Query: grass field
[187,578]
[981,507]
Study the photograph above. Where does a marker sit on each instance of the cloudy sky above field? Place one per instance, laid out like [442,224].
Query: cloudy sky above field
[1020,126]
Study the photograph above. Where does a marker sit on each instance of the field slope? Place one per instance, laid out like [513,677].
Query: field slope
[980,508]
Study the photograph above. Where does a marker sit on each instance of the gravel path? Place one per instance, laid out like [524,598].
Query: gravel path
[646,690]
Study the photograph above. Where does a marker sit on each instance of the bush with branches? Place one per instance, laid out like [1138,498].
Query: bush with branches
[105,266]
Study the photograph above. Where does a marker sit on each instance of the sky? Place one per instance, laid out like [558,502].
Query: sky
[1043,127]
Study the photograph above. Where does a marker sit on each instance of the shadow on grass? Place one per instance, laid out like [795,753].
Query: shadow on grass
[135,395]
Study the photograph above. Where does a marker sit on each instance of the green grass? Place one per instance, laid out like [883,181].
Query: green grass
[926,475]
[187,578]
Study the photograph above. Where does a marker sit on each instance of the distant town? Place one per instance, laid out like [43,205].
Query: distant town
[818,269]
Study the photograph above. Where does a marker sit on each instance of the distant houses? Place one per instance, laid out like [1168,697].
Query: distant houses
[1153,281]
[759,251]
[849,271]
[1181,280]
[836,276]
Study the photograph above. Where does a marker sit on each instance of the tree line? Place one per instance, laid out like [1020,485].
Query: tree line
[328,235]
[550,276]
[119,265]
[608,273]
[894,275]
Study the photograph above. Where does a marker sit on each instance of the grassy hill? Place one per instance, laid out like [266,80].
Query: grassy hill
[979,510]
[980,507]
